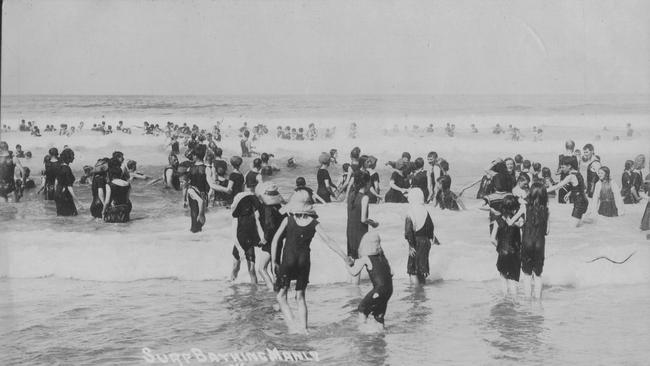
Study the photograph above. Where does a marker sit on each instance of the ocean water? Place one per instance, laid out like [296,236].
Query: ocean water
[78,291]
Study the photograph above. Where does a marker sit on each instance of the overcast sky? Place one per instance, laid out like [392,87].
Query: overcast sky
[325,47]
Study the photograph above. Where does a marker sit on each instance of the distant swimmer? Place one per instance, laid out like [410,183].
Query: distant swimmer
[371,256]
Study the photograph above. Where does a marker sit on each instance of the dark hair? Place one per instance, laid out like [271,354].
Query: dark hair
[264,157]
[131,165]
[513,163]
[218,152]
[537,167]
[570,161]
[236,161]
[300,182]
[257,163]
[27,171]
[199,151]
[501,182]
[432,155]
[114,171]
[362,160]
[346,166]
[356,151]
[589,147]
[607,172]
[546,172]
[570,145]
[67,156]
[444,165]
[406,155]
[526,164]
[361,180]
[519,159]
[629,164]
[118,155]
[247,133]
[221,171]
[510,205]
[523,178]
[54,152]
[333,152]
[419,163]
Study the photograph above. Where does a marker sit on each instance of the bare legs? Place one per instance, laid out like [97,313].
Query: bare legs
[298,325]
[263,269]
[251,270]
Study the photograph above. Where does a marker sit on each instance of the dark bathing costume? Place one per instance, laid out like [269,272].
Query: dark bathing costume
[198,182]
[251,179]
[99,181]
[397,196]
[607,205]
[271,218]
[322,190]
[247,235]
[418,265]
[376,301]
[508,247]
[355,228]
[580,202]
[119,207]
[374,178]
[7,182]
[64,202]
[51,171]
[296,262]
[563,191]
[238,182]
[534,240]
[592,179]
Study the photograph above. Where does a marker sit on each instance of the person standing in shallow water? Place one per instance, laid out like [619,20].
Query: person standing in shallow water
[575,185]
[358,221]
[607,199]
[65,198]
[98,188]
[117,206]
[51,170]
[418,232]
[371,256]
[506,237]
[325,187]
[300,226]
[197,189]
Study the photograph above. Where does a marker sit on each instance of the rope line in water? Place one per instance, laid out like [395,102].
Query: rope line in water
[613,261]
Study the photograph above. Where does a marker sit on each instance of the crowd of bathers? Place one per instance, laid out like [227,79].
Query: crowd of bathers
[273,234]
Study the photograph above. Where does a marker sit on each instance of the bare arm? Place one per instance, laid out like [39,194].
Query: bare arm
[258,224]
[276,238]
[568,179]
[358,266]
[364,208]
[107,199]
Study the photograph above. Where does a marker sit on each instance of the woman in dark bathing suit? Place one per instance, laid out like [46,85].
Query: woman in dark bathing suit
[66,200]
[117,206]
[300,226]
[372,257]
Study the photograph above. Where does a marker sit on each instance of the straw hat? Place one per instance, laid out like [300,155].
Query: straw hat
[270,195]
[299,204]
[370,244]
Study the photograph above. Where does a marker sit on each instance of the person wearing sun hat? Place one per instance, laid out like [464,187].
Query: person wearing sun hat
[371,256]
[299,226]
[270,219]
